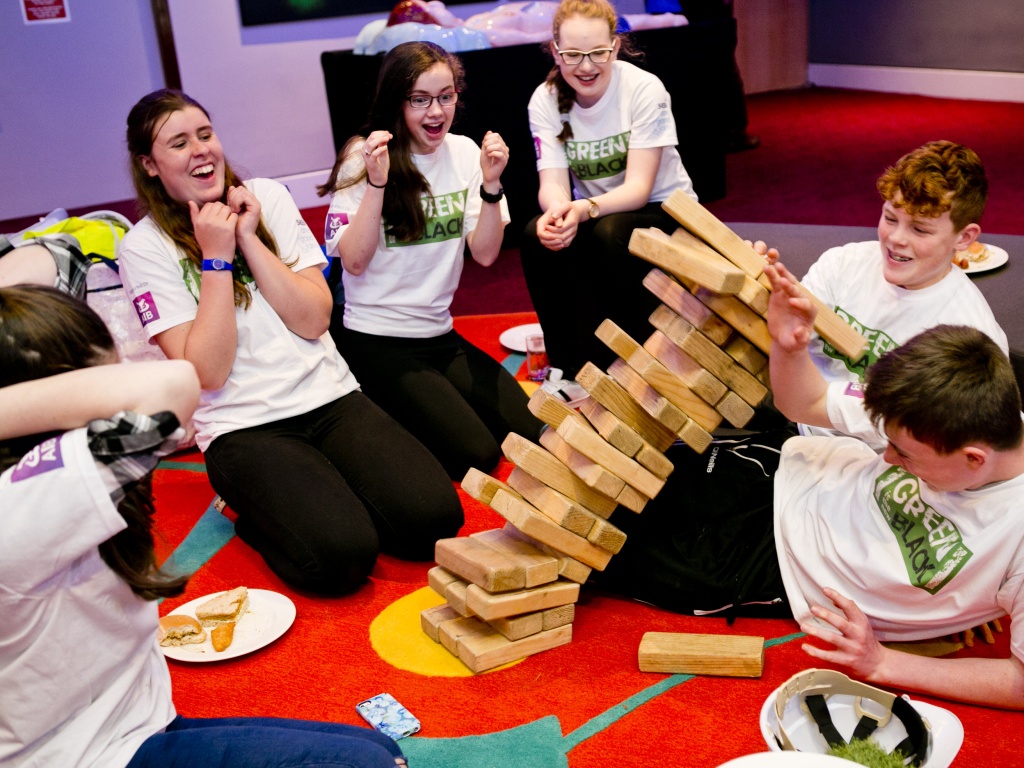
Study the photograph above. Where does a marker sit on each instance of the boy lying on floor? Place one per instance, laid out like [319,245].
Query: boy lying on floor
[922,541]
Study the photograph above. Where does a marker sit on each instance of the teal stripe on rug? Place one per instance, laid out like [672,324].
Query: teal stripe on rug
[190,466]
[513,363]
[211,532]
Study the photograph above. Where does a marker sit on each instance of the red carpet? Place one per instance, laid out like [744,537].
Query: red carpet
[583,705]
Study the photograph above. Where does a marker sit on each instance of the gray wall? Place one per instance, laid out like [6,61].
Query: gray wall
[933,34]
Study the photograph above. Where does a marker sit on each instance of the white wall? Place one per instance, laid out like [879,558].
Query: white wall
[65,91]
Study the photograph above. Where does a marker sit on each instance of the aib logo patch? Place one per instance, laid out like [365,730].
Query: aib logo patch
[536,146]
[44,457]
[333,223]
[145,308]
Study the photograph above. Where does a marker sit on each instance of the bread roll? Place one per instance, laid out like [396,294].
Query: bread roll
[177,629]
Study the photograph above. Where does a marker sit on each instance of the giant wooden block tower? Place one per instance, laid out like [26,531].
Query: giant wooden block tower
[510,592]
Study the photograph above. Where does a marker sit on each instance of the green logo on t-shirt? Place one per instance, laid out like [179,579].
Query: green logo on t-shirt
[444,220]
[933,550]
[598,159]
[878,344]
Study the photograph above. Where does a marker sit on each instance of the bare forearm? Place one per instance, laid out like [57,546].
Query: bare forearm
[485,240]
[798,389]
[990,682]
[359,241]
[303,305]
[209,342]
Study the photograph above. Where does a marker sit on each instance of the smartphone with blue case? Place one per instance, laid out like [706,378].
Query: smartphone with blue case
[389,717]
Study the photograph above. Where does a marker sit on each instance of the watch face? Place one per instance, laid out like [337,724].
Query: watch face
[594,211]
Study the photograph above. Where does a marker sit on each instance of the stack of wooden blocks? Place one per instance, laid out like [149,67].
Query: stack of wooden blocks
[510,592]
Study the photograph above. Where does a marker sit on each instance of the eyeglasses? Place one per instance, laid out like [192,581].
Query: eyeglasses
[423,101]
[596,56]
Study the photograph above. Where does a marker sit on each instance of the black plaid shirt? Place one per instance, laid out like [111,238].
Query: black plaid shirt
[130,445]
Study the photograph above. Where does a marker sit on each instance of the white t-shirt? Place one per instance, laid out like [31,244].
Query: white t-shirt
[635,112]
[407,288]
[850,280]
[276,374]
[82,679]
[919,563]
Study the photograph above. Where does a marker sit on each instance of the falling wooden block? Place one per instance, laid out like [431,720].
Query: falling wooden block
[534,524]
[656,461]
[632,499]
[714,273]
[748,323]
[685,304]
[606,536]
[684,653]
[550,409]
[481,486]
[483,652]
[432,618]
[746,354]
[697,346]
[569,514]
[735,409]
[590,472]
[449,632]
[834,329]
[550,471]
[617,400]
[499,605]
[752,293]
[568,567]
[485,566]
[540,568]
[611,428]
[518,627]
[699,220]
[695,376]
[594,447]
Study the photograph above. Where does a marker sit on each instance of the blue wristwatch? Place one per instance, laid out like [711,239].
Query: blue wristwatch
[218,265]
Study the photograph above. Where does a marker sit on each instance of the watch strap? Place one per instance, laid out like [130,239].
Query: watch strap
[487,197]
[218,265]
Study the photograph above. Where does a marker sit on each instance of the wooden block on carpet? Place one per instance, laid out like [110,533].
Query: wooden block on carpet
[540,568]
[685,653]
[674,295]
[617,400]
[482,486]
[550,471]
[590,472]
[438,579]
[753,293]
[432,618]
[518,627]
[594,447]
[534,524]
[675,257]
[455,594]
[697,346]
[449,632]
[485,566]
[699,220]
[568,567]
[490,606]
[483,652]
[569,514]
[558,617]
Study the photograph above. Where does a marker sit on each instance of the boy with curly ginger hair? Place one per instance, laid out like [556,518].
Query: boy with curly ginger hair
[892,289]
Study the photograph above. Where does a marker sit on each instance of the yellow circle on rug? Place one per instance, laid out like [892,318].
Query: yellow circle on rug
[398,638]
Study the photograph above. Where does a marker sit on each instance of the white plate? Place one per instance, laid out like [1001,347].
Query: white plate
[996,258]
[269,616]
[515,338]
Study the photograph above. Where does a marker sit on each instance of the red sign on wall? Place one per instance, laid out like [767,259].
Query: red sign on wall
[42,11]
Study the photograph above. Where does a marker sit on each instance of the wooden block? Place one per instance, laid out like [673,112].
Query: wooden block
[735,410]
[613,397]
[490,606]
[655,246]
[697,346]
[746,354]
[518,627]
[534,524]
[455,594]
[550,471]
[438,579]
[699,220]
[567,513]
[485,566]
[684,653]
[480,652]
[835,330]
[765,377]
[481,486]
[590,472]
[539,568]
[449,632]
[748,323]
[611,428]
[632,499]
[695,436]
[549,409]
[753,293]
[432,618]
[655,461]
[594,447]
[568,567]
[655,404]
[657,376]
[695,376]
[607,536]
[558,617]
[674,295]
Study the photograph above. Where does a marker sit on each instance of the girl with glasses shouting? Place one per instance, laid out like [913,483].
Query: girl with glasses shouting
[606,153]
[406,201]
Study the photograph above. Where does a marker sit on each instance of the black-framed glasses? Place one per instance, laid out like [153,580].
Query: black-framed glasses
[423,101]
[596,56]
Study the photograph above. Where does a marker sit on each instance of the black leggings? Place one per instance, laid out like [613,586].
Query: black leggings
[596,277]
[455,398]
[318,495]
